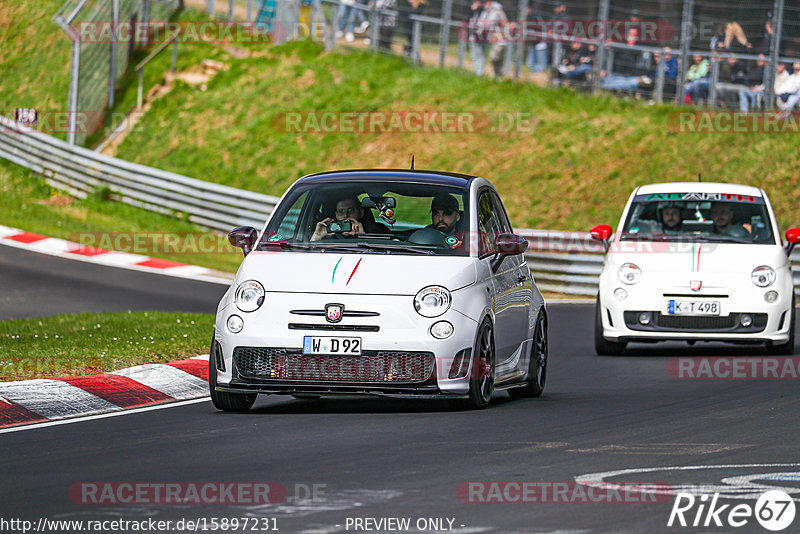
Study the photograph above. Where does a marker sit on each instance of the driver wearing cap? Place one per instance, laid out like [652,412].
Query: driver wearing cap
[444,213]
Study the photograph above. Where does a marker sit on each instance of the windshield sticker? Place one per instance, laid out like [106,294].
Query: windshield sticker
[634,230]
[275,237]
[699,196]
[387,214]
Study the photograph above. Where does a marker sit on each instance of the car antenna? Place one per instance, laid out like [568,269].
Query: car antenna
[412,162]
[699,176]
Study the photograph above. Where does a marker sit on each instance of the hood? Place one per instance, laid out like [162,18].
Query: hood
[696,257]
[374,274]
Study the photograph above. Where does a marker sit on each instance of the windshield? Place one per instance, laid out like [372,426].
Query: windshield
[371,217]
[711,217]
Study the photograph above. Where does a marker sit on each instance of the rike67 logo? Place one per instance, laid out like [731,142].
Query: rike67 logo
[774,510]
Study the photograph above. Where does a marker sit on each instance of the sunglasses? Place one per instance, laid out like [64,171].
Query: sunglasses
[345,211]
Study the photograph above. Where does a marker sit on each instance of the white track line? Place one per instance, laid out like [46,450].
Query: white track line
[57,422]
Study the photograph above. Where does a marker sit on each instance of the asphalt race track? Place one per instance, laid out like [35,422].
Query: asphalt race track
[36,285]
[386,458]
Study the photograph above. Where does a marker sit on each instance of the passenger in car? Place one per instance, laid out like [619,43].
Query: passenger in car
[723,216]
[349,209]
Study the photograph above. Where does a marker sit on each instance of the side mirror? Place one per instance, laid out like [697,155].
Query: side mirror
[508,245]
[243,237]
[793,237]
[602,232]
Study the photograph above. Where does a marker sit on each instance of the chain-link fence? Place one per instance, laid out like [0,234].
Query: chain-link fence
[104,37]
[718,53]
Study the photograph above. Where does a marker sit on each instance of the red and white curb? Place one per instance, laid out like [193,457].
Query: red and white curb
[67,249]
[48,399]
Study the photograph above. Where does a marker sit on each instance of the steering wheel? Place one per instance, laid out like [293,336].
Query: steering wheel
[429,236]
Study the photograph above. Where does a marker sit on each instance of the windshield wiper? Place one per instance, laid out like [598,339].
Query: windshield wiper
[287,245]
[360,245]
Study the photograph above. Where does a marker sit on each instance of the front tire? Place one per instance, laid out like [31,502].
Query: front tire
[537,365]
[481,382]
[602,346]
[223,400]
[787,348]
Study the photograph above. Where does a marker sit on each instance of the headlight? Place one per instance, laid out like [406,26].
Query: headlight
[432,301]
[442,330]
[235,324]
[249,296]
[762,276]
[629,273]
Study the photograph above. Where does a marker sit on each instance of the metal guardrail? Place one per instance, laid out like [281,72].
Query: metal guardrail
[562,262]
[80,171]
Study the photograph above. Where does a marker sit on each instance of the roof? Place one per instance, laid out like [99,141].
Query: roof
[699,187]
[391,175]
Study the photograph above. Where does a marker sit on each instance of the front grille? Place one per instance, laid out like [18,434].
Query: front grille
[382,367]
[337,327]
[695,323]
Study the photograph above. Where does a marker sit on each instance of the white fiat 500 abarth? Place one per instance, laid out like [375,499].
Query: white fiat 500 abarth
[696,262]
[382,282]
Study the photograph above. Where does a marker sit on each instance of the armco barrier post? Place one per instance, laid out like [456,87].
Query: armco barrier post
[522,44]
[686,39]
[444,30]
[774,54]
[602,47]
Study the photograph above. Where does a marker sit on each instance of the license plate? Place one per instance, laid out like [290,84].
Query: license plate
[693,307]
[331,345]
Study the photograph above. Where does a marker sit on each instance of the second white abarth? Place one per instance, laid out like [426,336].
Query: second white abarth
[395,283]
[696,262]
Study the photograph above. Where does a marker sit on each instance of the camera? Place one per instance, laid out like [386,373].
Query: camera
[336,227]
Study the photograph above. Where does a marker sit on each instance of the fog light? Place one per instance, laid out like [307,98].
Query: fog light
[442,330]
[620,294]
[746,320]
[771,296]
[644,318]
[235,324]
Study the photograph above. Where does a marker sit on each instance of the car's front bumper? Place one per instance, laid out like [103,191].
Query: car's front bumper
[399,355]
[769,322]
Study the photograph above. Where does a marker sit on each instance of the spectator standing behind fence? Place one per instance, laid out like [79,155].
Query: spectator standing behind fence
[670,67]
[766,42]
[477,43]
[790,90]
[735,39]
[630,67]
[347,14]
[537,46]
[387,22]
[409,9]
[735,73]
[578,61]
[697,80]
[750,98]
[494,21]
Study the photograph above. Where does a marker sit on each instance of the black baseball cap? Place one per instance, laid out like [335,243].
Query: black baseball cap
[444,201]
